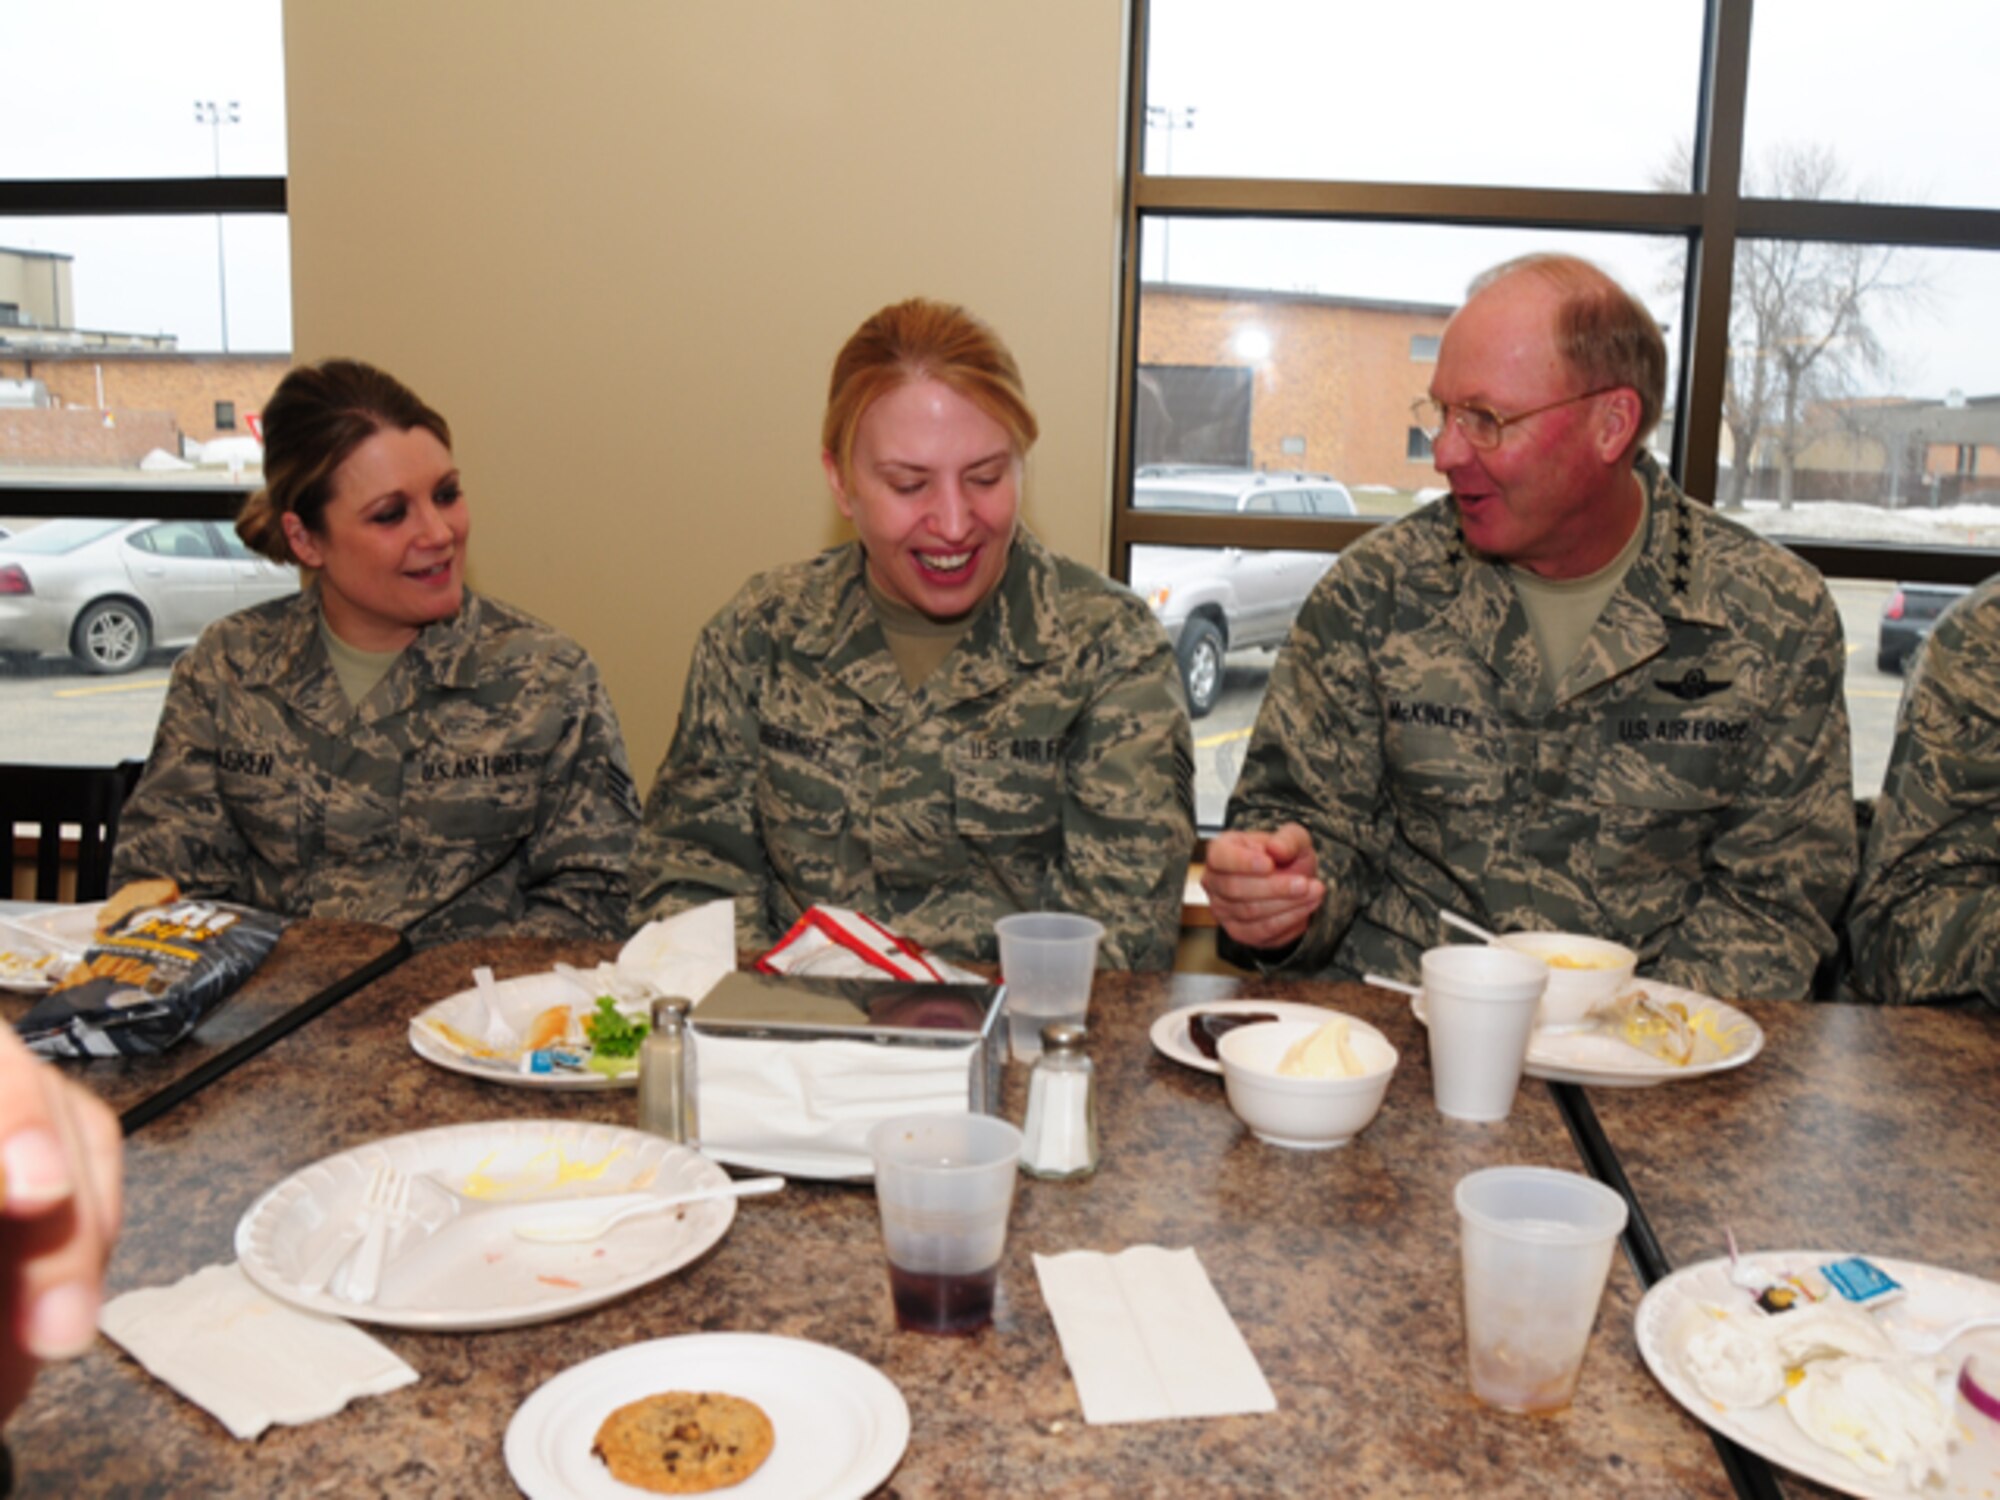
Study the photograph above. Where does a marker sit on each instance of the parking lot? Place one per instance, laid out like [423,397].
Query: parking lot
[50,711]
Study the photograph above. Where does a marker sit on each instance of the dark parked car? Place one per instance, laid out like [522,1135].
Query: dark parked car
[1908,617]
[1213,600]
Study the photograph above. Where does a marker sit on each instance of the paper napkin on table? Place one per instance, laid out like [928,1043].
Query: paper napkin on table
[684,954]
[1147,1337]
[246,1358]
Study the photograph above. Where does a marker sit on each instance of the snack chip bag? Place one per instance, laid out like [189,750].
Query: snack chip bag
[148,982]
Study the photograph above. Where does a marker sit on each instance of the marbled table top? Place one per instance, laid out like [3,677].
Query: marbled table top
[311,955]
[1858,1128]
[1340,1267]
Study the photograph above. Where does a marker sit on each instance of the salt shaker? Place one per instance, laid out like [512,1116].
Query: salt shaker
[1060,1136]
[667,1074]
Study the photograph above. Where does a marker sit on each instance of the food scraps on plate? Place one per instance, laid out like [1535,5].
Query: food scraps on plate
[563,1038]
[1805,1340]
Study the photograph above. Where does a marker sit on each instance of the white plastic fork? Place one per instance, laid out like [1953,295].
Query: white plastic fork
[386,1203]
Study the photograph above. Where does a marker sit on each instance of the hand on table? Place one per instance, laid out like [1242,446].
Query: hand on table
[61,1198]
[1264,888]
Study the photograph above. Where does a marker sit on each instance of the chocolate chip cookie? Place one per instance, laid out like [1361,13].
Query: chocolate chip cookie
[685,1442]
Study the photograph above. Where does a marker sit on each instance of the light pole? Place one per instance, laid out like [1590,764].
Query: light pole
[1168,117]
[215,116]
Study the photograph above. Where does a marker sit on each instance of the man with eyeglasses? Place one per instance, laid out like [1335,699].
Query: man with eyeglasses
[1563,697]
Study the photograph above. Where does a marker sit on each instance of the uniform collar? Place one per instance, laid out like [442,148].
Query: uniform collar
[1674,574]
[1672,579]
[442,654]
[1018,627]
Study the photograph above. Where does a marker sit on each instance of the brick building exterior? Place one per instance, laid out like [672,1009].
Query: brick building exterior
[172,395]
[1331,378]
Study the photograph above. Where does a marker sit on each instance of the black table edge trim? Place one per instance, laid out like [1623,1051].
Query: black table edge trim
[155,1105]
[1749,1474]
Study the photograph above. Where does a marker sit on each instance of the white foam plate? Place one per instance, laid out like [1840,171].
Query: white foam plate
[1674,1311]
[518,1002]
[840,1425]
[1572,1054]
[457,1263]
[1170,1032]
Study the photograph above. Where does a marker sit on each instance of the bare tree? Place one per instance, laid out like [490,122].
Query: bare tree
[1801,319]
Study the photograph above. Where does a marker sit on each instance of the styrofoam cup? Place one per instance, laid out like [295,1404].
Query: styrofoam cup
[1480,1002]
[1536,1246]
[1047,960]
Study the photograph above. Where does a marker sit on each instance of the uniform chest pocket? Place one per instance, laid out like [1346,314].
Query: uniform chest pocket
[471,811]
[1678,766]
[1658,807]
[262,796]
[1004,803]
[803,789]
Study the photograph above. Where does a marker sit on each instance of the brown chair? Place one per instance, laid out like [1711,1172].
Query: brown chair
[44,798]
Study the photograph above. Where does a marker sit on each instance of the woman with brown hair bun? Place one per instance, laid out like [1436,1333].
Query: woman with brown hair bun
[942,722]
[388,746]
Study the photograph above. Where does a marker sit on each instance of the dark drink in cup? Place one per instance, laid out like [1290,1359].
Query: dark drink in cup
[943,1302]
[944,1183]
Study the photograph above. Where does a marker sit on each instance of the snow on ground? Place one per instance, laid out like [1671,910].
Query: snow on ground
[1841,521]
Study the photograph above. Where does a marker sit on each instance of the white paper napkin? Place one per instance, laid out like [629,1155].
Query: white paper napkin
[684,954]
[246,1358]
[1147,1337]
[808,1105]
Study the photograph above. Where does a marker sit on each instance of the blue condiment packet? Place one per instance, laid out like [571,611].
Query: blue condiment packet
[1861,1282]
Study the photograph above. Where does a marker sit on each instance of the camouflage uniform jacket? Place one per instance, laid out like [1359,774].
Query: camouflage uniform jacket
[1687,793]
[481,788]
[1926,919]
[1046,764]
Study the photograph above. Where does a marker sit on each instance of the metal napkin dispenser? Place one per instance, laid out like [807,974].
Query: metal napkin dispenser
[884,1012]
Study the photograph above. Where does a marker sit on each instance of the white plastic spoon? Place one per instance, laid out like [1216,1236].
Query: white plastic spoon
[1916,1341]
[570,1230]
[1464,924]
[1382,983]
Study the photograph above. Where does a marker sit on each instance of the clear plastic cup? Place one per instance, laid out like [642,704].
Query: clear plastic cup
[1480,1003]
[944,1185]
[1536,1247]
[1047,960]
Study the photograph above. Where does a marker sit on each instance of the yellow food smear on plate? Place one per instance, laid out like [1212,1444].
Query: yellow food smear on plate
[480,1182]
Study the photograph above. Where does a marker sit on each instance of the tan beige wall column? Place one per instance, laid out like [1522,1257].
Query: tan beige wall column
[618,242]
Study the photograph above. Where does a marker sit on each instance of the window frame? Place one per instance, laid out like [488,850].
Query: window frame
[1709,220]
[123,198]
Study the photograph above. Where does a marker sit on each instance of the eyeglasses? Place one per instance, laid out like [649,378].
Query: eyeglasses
[1482,427]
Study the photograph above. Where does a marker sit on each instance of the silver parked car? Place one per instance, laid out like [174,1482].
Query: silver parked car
[109,592]
[1213,600]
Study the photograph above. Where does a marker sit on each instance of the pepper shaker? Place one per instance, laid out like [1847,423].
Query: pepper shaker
[1060,1136]
[667,1074]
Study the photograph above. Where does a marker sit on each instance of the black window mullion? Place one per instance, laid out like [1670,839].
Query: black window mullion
[127,196]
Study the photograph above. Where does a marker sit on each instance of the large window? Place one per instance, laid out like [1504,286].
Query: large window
[1812,220]
[145,317]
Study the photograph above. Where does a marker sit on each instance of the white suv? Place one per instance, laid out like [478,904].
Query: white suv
[1216,600]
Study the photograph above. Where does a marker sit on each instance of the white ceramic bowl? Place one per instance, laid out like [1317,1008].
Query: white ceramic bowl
[1597,971]
[1309,1114]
